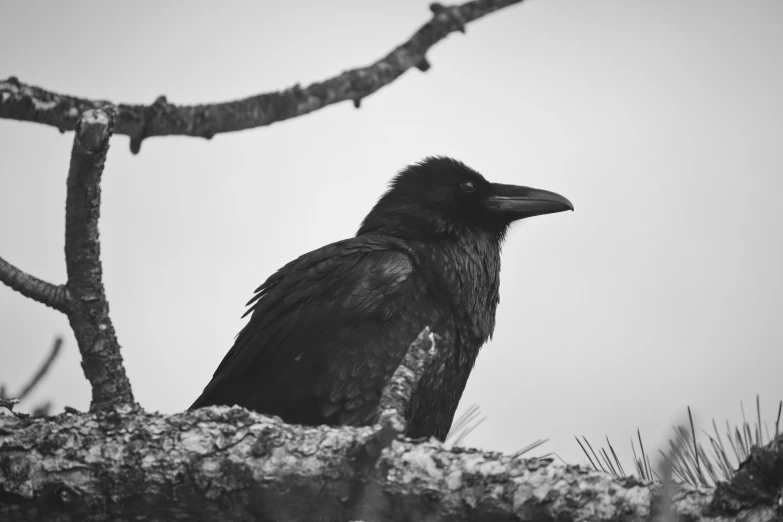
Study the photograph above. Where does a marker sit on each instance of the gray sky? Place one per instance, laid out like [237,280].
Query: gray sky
[662,121]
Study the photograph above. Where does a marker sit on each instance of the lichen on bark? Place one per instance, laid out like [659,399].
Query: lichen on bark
[223,463]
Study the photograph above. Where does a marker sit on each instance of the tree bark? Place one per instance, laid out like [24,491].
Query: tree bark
[228,464]
[224,463]
[89,308]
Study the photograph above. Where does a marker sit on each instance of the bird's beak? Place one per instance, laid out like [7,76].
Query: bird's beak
[521,202]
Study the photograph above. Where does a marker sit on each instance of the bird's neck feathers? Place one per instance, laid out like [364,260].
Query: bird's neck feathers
[468,266]
[411,222]
[397,219]
[464,262]
[464,258]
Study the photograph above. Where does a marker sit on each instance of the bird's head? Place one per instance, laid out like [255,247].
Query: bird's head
[440,195]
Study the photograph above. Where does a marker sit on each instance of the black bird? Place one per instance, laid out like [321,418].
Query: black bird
[328,329]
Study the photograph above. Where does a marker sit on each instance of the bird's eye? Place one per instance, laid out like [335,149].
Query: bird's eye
[468,186]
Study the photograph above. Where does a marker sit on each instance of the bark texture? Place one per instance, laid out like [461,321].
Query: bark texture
[223,463]
[25,102]
[397,395]
[89,308]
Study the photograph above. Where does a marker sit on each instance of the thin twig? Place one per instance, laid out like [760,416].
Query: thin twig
[58,342]
[89,315]
[25,102]
[53,296]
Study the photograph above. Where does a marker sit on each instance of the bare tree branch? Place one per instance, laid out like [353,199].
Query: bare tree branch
[396,397]
[53,296]
[43,408]
[221,463]
[395,402]
[25,102]
[42,371]
[89,315]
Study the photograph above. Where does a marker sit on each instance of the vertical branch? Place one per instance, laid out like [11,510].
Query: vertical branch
[396,399]
[89,314]
[398,393]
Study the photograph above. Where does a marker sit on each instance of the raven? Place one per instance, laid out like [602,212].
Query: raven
[327,330]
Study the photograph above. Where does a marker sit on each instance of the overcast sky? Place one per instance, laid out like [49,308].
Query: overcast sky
[661,120]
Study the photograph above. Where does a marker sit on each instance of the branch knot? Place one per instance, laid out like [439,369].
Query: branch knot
[451,13]
[95,127]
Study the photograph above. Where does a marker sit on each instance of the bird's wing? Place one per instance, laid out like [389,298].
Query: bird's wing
[316,319]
